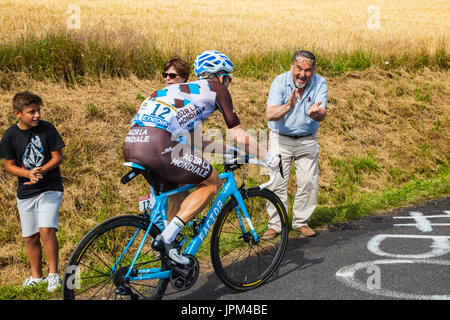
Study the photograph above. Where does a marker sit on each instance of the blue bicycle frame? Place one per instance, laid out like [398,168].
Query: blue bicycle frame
[159,210]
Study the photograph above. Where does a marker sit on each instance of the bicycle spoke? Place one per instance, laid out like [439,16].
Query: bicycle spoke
[133,286]
[101,274]
[222,244]
[238,260]
[114,243]
[257,254]
[143,285]
[93,286]
[100,260]
[93,277]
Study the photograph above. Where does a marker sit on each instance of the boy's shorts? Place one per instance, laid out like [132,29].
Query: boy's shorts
[40,211]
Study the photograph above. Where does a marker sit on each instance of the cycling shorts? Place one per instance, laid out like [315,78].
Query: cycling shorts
[172,161]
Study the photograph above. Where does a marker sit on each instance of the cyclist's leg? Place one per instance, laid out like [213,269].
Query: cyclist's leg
[197,200]
[184,166]
[175,203]
[193,204]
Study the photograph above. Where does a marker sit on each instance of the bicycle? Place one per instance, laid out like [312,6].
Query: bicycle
[115,259]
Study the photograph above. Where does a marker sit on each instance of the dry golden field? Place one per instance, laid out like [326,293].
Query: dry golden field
[240,27]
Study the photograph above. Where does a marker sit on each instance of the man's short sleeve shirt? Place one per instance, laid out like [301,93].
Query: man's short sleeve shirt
[296,122]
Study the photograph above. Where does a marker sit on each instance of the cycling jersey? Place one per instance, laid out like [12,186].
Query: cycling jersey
[182,106]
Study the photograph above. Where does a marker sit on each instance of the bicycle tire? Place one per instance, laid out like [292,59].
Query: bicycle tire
[88,272]
[232,250]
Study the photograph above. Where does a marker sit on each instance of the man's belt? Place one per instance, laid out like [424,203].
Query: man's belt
[296,137]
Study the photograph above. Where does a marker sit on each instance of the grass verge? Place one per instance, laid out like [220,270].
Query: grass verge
[74,59]
[364,205]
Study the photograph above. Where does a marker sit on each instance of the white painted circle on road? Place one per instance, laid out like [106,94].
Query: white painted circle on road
[347,276]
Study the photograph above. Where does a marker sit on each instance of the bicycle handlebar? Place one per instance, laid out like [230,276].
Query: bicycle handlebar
[237,160]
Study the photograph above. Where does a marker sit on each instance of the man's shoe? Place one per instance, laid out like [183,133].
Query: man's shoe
[306,231]
[170,249]
[270,234]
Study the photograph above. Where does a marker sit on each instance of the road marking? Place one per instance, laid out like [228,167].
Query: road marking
[347,276]
[422,222]
[440,246]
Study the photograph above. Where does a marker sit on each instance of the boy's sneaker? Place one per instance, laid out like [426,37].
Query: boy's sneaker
[170,249]
[33,281]
[54,282]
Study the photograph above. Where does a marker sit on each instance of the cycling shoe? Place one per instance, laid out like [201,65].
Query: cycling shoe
[170,249]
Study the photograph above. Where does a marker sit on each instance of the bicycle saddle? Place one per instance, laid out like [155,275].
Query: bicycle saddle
[157,182]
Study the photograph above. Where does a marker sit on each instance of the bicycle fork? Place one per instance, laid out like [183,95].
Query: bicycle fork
[242,213]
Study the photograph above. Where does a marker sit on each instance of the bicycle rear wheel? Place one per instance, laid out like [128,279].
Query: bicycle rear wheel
[92,272]
[241,262]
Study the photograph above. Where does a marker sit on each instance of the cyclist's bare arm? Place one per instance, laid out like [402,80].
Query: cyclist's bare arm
[246,142]
[243,139]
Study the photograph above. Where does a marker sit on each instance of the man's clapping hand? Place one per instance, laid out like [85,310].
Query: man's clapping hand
[317,112]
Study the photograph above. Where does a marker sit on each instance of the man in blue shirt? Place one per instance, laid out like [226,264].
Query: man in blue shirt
[296,104]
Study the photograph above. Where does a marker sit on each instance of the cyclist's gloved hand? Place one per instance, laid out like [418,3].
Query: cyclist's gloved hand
[272,162]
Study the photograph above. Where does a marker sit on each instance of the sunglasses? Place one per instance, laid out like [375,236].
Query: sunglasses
[170,75]
[226,74]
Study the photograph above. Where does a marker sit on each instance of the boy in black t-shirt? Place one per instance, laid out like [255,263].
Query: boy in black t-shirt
[32,152]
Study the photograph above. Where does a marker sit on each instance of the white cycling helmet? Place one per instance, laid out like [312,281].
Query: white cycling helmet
[212,62]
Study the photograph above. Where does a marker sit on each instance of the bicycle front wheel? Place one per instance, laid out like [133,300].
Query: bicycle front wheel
[97,267]
[241,261]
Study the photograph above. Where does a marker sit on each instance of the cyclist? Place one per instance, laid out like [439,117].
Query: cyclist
[152,140]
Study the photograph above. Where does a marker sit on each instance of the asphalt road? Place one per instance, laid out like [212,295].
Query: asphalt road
[402,254]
